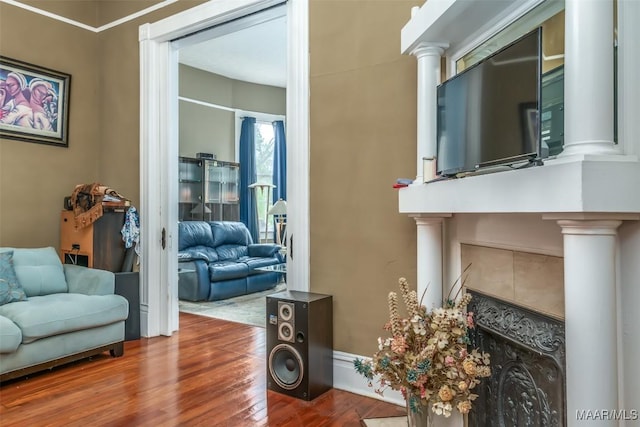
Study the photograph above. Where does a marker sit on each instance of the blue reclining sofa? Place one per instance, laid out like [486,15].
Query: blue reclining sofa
[218,260]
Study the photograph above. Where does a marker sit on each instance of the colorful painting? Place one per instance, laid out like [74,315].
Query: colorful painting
[34,103]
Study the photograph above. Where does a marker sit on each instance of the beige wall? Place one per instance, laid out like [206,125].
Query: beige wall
[363,133]
[213,130]
[362,136]
[92,12]
[263,99]
[110,10]
[34,178]
[120,90]
[85,12]
[104,116]
[206,130]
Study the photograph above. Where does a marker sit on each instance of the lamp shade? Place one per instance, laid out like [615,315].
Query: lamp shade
[261,185]
[278,208]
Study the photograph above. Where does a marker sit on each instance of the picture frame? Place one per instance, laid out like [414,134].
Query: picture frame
[34,103]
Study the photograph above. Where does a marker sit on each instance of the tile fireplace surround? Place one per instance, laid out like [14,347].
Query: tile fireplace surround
[518,302]
[529,280]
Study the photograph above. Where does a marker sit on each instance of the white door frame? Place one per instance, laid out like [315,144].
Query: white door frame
[159,150]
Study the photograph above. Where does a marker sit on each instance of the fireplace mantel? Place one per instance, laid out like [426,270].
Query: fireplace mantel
[593,174]
[457,21]
[589,190]
[586,184]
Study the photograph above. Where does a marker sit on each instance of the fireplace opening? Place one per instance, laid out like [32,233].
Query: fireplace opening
[527,384]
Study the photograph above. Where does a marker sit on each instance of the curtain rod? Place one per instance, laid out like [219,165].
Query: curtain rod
[242,113]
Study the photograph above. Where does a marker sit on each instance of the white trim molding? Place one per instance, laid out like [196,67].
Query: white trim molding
[159,142]
[297,130]
[85,26]
[346,378]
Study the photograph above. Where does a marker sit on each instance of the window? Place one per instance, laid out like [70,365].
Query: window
[265,142]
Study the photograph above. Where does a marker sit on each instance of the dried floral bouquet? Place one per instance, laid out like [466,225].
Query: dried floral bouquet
[427,357]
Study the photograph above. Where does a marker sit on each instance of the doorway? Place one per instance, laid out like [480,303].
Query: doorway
[159,149]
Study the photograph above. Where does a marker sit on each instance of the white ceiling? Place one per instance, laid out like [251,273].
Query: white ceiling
[257,54]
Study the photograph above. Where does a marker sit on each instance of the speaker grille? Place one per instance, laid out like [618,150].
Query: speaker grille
[285,332]
[286,310]
[286,321]
[286,366]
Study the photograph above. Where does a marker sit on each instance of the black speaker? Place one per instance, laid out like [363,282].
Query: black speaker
[299,344]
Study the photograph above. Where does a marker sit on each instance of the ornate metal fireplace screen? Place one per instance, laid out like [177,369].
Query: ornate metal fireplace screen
[527,385]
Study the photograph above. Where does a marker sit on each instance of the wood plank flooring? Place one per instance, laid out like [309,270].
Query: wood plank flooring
[210,373]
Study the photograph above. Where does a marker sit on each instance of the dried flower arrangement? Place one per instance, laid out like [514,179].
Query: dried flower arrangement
[427,356]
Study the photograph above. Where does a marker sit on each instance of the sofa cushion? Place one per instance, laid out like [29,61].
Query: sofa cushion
[54,314]
[263,250]
[228,289]
[39,271]
[194,233]
[231,252]
[258,262]
[89,281]
[10,288]
[10,336]
[227,270]
[204,253]
[230,233]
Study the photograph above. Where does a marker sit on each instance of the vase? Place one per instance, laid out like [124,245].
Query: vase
[421,418]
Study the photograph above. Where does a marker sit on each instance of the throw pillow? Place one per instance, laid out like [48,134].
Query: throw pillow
[10,288]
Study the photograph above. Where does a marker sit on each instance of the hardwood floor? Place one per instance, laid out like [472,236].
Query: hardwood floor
[210,373]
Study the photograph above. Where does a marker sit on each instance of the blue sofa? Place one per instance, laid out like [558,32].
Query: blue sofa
[218,260]
[53,313]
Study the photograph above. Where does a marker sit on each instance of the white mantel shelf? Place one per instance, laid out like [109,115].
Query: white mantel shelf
[441,20]
[587,185]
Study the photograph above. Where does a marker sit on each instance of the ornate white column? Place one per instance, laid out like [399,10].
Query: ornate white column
[590,317]
[588,81]
[628,83]
[430,260]
[428,55]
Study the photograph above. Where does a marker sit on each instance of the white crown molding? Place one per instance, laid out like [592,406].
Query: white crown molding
[85,26]
[135,15]
[50,15]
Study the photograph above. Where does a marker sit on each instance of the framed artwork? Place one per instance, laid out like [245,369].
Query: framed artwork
[34,103]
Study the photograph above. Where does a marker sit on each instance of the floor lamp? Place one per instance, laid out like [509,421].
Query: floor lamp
[279,212]
[262,187]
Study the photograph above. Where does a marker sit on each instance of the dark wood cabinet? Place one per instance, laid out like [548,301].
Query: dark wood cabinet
[208,190]
[98,245]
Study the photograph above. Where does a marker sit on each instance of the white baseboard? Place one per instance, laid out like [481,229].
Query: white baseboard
[346,378]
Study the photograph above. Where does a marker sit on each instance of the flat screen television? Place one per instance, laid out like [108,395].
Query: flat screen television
[489,113]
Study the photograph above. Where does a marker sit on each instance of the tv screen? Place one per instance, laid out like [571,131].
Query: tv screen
[489,113]
[552,113]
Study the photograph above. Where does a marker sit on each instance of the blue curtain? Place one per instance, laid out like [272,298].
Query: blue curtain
[279,162]
[279,165]
[248,176]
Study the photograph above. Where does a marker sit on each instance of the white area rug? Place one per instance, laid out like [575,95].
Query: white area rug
[248,309]
[385,422]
